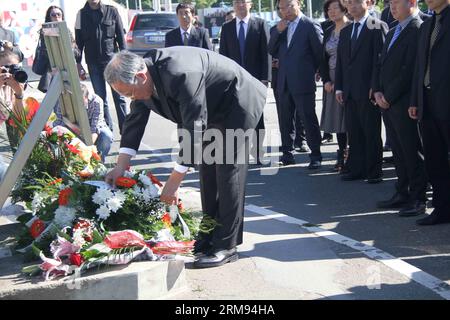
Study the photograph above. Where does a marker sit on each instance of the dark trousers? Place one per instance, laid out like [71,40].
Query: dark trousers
[99,84]
[222,188]
[298,128]
[407,152]
[436,142]
[363,121]
[305,106]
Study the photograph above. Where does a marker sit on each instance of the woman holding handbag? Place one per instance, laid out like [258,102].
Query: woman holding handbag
[41,63]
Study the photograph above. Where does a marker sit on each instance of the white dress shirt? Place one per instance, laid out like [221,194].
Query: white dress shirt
[238,25]
[182,31]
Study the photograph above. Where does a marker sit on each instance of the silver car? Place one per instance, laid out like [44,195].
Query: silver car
[148,31]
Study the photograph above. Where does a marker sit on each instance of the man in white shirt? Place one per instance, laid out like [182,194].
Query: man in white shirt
[187,34]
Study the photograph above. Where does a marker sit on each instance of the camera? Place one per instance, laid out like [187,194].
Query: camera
[16,71]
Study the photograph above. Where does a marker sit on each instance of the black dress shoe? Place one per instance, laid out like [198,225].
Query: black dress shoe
[314,165]
[413,209]
[216,258]
[351,177]
[287,159]
[374,180]
[397,201]
[436,217]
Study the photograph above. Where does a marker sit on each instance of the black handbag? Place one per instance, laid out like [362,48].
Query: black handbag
[44,82]
[41,62]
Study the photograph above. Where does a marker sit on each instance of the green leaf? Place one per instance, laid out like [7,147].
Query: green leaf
[96,237]
[36,250]
[24,218]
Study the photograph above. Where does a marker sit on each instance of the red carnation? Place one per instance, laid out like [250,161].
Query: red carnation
[64,196]
[125,182]
[76,259]
[37,228]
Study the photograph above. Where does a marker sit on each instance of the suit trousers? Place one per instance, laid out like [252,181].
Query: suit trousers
[407,152]
[222,188]
[363,121]
[304,105]
[436,143]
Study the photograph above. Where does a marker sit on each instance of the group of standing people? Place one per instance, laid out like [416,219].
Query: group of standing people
[395,70]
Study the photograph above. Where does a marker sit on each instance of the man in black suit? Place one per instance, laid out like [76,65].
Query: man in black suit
[390,20]
[244,40]
[430,104]
[392,91]
[205,94]
[297,41]
[360,45]
[187,34]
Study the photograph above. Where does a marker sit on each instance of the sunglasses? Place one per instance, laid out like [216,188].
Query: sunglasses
[55,14]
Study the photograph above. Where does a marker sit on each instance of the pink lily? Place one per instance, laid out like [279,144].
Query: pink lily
[62,247]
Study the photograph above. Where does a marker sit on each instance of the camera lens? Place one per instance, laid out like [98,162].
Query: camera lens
[21,76]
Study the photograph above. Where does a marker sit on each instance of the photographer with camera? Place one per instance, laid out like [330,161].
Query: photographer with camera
[7,40]
[12,86]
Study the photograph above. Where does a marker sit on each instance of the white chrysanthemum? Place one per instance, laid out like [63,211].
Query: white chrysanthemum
[147,195]
[114,204]
[137,192]
[64,216]
[103,212]
[37,202]
[145,180]
[101,196]
[120,195]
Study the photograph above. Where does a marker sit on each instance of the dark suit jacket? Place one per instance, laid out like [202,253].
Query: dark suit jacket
[256,60]
[354,70]
[299,62]
[439,70]
[396,66]
[198,38]
[208,91]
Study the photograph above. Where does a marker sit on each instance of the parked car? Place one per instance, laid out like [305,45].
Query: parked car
[148,31]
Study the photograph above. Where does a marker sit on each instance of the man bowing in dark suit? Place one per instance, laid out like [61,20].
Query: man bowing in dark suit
[187,34]
[244,40]
[297,41]
[430,104]
[360,45]
[209,97]
[392,91]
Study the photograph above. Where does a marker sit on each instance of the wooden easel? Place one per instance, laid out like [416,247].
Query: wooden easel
[65,87]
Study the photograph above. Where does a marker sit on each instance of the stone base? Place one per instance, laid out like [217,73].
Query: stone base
[136,281]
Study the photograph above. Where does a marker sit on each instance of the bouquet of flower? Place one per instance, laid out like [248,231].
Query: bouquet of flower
[104,225]
[58,152]
[83,246]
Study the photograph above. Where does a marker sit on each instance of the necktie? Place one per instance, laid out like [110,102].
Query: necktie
[434,34]
[398,29]
[291,30]
[354,36]
[186,38]
[242,41]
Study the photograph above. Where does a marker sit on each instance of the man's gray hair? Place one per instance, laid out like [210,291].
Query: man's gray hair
[123,67]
